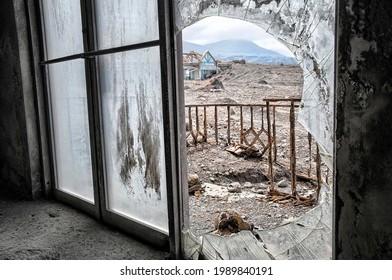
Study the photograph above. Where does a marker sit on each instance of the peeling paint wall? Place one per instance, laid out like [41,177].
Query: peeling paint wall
[307,28]
[20,168]
[364,134]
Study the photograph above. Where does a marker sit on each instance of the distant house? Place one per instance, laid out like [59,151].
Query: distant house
[199,66]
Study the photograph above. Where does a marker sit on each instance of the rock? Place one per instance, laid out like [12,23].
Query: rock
[263,186]
[257,190]
[263,82]
[283,184]
[213,190]
[194,183]
[233,189]
[212,179]
[235,184]
[248,185]
[232,111]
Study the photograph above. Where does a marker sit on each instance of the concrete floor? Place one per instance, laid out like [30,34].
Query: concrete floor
[48,229]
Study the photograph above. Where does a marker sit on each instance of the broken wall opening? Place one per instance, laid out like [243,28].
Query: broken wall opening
[304,19]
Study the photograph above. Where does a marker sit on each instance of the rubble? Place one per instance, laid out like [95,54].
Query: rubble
[228,222]
[245,151]
[194,183]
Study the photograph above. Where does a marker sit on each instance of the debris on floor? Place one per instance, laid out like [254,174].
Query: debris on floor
[306,238]
[194,184]
[228,222]
[214,84]
[245,151]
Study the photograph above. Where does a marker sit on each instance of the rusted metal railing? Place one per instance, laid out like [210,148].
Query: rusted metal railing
[237,131]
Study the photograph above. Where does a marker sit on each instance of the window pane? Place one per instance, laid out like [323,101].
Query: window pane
[126,22]
[133,134]
[70,128]
[63,27]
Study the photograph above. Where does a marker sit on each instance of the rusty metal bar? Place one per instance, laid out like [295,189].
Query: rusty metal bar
[251,117]
[318,168]
[228,125]
[274,132]
[216,124]
[190,121]
[310,153]
[240,104]
[292,150]
[282,99]
[270,163]
[205,124]
[197,122]
[242,125]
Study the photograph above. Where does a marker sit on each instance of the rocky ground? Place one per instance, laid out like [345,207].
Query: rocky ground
[231,182]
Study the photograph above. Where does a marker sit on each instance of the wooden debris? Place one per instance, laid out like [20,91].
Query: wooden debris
[283,198]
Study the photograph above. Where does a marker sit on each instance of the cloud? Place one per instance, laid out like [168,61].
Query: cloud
[214,29]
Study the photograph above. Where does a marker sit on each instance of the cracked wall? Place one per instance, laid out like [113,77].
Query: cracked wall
[307,28]
[364,135]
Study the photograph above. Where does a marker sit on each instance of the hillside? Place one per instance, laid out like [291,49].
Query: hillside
[228,50]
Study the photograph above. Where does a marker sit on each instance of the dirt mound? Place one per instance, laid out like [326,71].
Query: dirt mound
[214,84]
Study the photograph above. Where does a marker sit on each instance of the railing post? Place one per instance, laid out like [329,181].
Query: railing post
[190,122]
[310,153]
[228,125]
[292,149]
[251,117]
[270,163]
[197,122]
[205,124]
[274,132]
[216,124]
[241,125]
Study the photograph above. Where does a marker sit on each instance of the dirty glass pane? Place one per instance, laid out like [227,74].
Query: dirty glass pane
[306,238]
[70,128]
[62,23]
[124,22]
[133,135]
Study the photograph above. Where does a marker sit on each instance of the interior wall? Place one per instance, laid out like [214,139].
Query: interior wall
[19,149]
[363,131]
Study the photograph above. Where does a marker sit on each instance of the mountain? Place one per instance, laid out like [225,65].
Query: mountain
[228,50]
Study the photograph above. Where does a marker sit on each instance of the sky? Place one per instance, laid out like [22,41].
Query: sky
[214,29]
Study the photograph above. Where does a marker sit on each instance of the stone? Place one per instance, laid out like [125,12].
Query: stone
[257,190]
[263,186]
[234,187]
[248,185]
[283,184]
[194,183]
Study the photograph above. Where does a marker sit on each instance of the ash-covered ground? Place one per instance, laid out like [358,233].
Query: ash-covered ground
[231,182]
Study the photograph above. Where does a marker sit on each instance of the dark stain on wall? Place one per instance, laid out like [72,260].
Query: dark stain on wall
[125,141]
[149,138]
[14,159]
